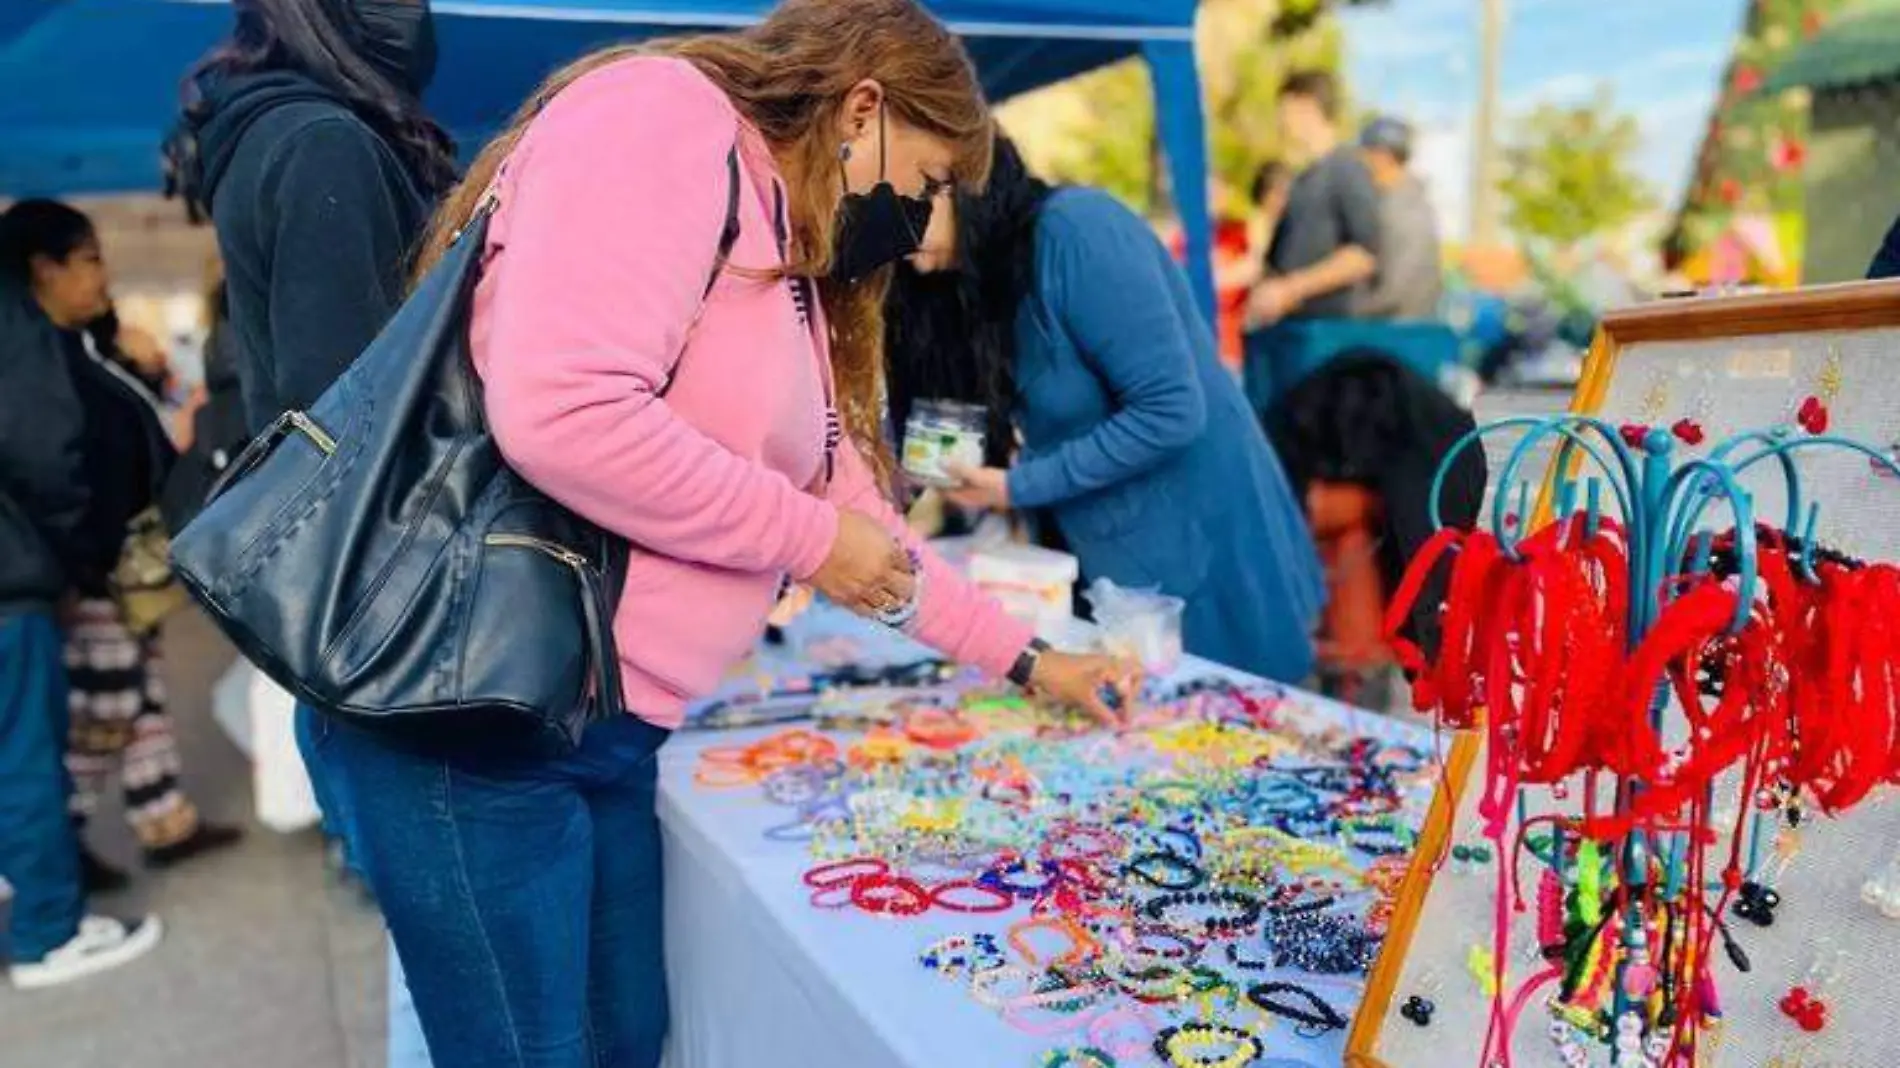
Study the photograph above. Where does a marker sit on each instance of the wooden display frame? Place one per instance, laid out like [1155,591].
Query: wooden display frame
[1851,306]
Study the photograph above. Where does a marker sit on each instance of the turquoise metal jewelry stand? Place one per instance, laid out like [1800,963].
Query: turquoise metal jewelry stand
[1663,504]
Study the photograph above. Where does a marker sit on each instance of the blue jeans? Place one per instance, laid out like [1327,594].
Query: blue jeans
[38,852]
[330,803]
[522,890]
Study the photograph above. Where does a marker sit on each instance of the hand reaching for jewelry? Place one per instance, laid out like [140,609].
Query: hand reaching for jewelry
[1102,686]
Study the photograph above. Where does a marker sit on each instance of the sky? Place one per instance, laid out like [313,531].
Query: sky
[1660,58]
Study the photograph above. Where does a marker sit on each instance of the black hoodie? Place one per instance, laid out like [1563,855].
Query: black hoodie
[316,217]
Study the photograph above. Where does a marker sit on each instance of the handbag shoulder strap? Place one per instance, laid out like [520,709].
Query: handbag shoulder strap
[728,239]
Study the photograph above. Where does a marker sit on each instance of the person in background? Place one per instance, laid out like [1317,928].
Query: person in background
[120,722]
[305,141]
[1266,197]
[1364,437]
[720,422]
[1240,248]
[1134,436]
[217,430]
[1325,245]
[135,351]
[1411,278]
[44,502]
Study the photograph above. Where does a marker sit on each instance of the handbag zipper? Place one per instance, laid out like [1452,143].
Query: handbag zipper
[318,436]
[605,688]
[559,552]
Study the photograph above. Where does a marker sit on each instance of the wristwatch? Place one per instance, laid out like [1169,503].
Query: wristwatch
[1025,667]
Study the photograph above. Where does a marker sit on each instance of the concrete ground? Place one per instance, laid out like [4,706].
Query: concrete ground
[265,963]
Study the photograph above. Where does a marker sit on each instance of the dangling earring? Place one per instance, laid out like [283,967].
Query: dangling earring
[844,152]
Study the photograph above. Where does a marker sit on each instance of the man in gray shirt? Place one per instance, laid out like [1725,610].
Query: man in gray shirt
[1326,246]
[1411,272]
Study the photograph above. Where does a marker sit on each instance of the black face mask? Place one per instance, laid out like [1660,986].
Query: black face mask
[879,227]
[398,38]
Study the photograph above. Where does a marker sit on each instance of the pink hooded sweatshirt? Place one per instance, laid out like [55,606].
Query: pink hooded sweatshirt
[608,224]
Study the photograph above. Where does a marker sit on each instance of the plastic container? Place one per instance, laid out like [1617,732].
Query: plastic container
[1035,585]
[940,435]
[1142,625]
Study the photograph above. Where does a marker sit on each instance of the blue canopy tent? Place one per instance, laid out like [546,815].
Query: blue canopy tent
[89,87]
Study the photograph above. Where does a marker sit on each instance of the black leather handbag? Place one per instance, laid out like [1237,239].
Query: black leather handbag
[377,557]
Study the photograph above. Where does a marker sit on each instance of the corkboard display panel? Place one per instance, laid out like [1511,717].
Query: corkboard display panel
[1729,365]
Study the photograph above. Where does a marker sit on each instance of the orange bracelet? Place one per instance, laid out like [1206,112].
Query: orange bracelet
[1083,946]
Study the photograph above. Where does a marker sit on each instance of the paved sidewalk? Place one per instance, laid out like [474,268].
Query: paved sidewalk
[264,965]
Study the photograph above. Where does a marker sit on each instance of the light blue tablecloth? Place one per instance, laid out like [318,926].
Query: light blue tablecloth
[761,979]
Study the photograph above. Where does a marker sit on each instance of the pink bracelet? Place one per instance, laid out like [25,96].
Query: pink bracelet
[1136,1025]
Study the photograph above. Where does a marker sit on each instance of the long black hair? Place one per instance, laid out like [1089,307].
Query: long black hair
[40,228]
[952,336]
[317,38]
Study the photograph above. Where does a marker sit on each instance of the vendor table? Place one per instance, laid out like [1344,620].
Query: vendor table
[759,977]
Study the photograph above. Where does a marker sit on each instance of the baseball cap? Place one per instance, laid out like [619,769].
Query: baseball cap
[1390,134]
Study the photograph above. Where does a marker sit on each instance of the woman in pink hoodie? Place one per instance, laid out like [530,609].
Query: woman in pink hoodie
[732,434]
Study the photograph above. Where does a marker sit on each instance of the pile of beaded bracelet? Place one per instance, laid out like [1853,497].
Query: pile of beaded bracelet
[1203,1044]
[1322,944]
[1213,914]
[963,955]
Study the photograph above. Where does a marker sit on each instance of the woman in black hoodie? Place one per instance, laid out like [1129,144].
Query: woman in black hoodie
[120,722]
[305,141]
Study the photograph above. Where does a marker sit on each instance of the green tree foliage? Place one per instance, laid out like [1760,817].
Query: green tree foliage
[1247,48]
[1568,174]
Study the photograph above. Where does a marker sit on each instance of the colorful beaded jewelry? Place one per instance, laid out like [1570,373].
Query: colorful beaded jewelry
[1166,871]
[1198,1044]
[1238,912]
[1310,1013]
[963,955]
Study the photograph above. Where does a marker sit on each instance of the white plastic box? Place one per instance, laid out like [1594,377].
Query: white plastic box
[1034,584]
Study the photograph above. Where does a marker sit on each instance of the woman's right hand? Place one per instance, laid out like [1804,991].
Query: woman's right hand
[868,570]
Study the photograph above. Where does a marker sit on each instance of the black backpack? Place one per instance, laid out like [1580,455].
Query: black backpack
[377,557]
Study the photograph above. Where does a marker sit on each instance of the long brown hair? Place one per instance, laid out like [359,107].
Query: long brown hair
[789,76]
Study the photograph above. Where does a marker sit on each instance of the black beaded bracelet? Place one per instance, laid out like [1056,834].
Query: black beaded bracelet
[1242,911]
[1246,964]
[1315,1014]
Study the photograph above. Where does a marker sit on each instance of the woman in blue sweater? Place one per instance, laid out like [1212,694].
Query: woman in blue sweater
[1062,308]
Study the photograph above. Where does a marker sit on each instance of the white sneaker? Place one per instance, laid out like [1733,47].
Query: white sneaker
[101,945]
